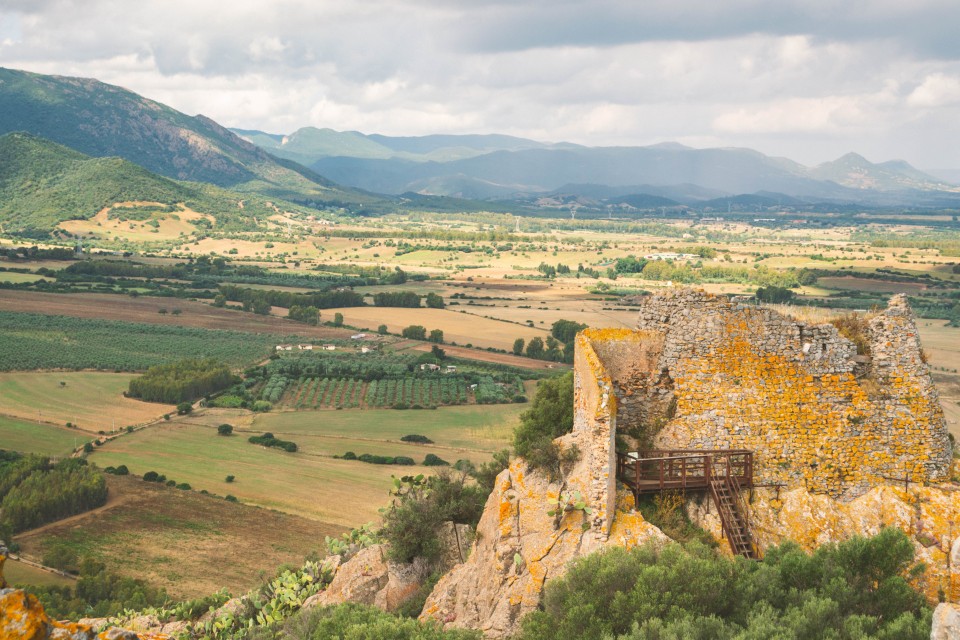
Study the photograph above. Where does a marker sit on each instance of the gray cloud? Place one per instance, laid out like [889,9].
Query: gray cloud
[810,79]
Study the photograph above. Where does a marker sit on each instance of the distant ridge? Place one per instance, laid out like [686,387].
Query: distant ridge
[497,167]
[103,120]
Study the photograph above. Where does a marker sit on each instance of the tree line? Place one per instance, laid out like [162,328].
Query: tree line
[183,381]
[33,492]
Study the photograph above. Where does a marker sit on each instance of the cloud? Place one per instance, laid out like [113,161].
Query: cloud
[807,78]
[936,90]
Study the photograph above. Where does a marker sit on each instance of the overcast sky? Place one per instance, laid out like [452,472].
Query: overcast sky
[806,79]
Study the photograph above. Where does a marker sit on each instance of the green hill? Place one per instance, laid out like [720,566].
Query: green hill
[102,120]
[43,183]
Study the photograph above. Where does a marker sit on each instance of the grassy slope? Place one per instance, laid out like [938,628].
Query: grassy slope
[31,437]
[43,183]
[310,482]
[188,543]
[92,400]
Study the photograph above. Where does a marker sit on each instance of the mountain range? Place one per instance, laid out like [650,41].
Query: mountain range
[324,168]
[495,166]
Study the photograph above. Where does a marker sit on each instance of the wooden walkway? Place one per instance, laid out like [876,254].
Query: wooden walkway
[724,473]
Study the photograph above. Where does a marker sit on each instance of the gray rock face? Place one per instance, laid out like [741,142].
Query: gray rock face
[946,622]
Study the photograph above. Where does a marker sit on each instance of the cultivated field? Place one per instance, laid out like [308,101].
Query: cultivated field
[147,309]
[470,431]
[45,439]
[188,543]
[18,573]
[310,482]
[93,401]
[462,328]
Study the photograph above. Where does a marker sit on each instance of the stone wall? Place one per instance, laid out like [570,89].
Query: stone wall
[745,377]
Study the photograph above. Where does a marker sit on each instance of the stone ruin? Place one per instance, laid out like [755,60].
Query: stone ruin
[844,443]
[702,372]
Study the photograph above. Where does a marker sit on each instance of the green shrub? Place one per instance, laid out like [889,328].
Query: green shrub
[434,461]
[362,622]
[225,429]
[549,416]
[852,590]
[151,476]
[267,440]
[486,474]
[230,479]
[420,504]
[416,438]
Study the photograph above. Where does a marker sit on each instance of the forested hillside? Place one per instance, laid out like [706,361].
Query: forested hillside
[104,120]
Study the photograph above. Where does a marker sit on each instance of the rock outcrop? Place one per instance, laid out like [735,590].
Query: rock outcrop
[946,622]
[519,547]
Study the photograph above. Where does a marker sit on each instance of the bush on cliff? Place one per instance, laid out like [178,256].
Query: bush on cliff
[420,505]
[852,590]
[360,622]
[550,416]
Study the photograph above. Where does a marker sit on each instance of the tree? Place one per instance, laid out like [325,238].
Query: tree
[566,330]
[225,429]
[382,330]
[434,301]
[549,417]
[775,295]
[184,408]
[535,348]
[414,332]
[436,335]
[338,319]
[518,347]
[230,478]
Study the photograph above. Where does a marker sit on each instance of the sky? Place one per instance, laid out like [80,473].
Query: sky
[805,79]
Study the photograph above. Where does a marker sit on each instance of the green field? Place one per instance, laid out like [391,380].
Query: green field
[299,483]
[33,341]
[12,276]
[310,482]
[18,573]
[30,437]
[93,401]
[471,428]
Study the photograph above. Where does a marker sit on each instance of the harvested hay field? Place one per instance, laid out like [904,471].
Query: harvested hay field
[462,328]
[147,309]
[483,356]
[188,543]
[870,285]
[93,401]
